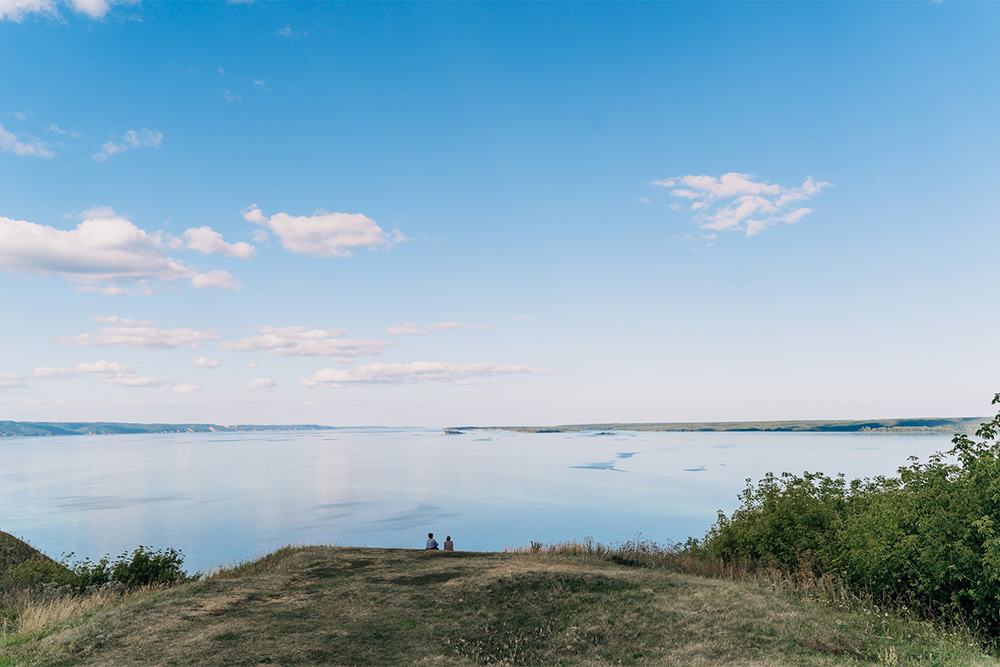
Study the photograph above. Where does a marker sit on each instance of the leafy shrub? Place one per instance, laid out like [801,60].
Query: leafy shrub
[929,537]
[143,567]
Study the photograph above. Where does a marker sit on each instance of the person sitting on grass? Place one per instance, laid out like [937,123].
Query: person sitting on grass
[431,542]
[448,544]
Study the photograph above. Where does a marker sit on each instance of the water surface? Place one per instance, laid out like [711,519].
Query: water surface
[223,498]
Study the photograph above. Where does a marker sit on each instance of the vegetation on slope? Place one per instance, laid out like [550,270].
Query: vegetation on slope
[571,604]
[928,539]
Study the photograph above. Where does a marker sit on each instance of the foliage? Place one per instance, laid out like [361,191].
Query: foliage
[927,538]
[143,567]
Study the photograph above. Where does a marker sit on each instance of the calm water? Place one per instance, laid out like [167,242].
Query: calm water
[222,498]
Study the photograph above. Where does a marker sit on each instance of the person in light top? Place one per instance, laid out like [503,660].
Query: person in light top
[431,542]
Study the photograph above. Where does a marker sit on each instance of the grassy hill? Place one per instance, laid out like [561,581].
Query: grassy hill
[357,606]
[14,551]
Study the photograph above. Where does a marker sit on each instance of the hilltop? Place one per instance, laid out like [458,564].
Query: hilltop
[358,606]
[23,429]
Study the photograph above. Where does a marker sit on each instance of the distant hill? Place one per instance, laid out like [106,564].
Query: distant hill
[913,425]
[14,429]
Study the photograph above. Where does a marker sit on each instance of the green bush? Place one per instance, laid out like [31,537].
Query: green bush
[142,567]
[929,537]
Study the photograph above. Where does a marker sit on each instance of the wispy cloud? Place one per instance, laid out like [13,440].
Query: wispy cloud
[139,334]
[416,371]
[208,241]
[323,234]
[10,143]
[111,372]
[15,10]
[736,201]
[133,139]
[262,383]
[405,329]
[58,130]
[288,32]
[9,381]
[303,341]
[186,388]
[530,318]
[449,326]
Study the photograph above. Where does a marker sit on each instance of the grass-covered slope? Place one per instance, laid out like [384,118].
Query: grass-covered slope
[14,551]
[353,606]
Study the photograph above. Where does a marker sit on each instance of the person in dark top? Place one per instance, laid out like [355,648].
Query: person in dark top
[448,544]
[431,542]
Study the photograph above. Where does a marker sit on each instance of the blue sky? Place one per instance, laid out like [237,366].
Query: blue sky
[497,213]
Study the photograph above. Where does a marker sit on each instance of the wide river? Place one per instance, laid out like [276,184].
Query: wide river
[225,498]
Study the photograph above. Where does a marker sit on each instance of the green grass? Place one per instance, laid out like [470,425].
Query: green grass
[566,605]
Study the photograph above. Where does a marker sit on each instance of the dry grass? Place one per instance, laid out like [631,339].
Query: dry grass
[340,606]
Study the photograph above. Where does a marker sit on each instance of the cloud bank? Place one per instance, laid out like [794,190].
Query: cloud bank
[104,247]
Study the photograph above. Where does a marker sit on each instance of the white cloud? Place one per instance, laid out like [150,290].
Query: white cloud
[218,279]
[139,334]
[111,372]
[231,97]
[416,371]
[529,318]
[186,388]
[14,10]
[144,290]
[262,383]
[58,130]
[737,201]
[644,200]
[133,139]
[11,144]
[322,234]
[206,362]
[10,381]
[303,341]
[208,241]
[405,329]
[457,325]
[92,8]
[104,247]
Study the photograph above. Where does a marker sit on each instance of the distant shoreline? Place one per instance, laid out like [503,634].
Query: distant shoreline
[912,425]
[12,429]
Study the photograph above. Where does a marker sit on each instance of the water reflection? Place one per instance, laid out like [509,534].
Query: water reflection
[228,497]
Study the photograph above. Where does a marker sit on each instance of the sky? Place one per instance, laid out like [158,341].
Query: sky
[444,214]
